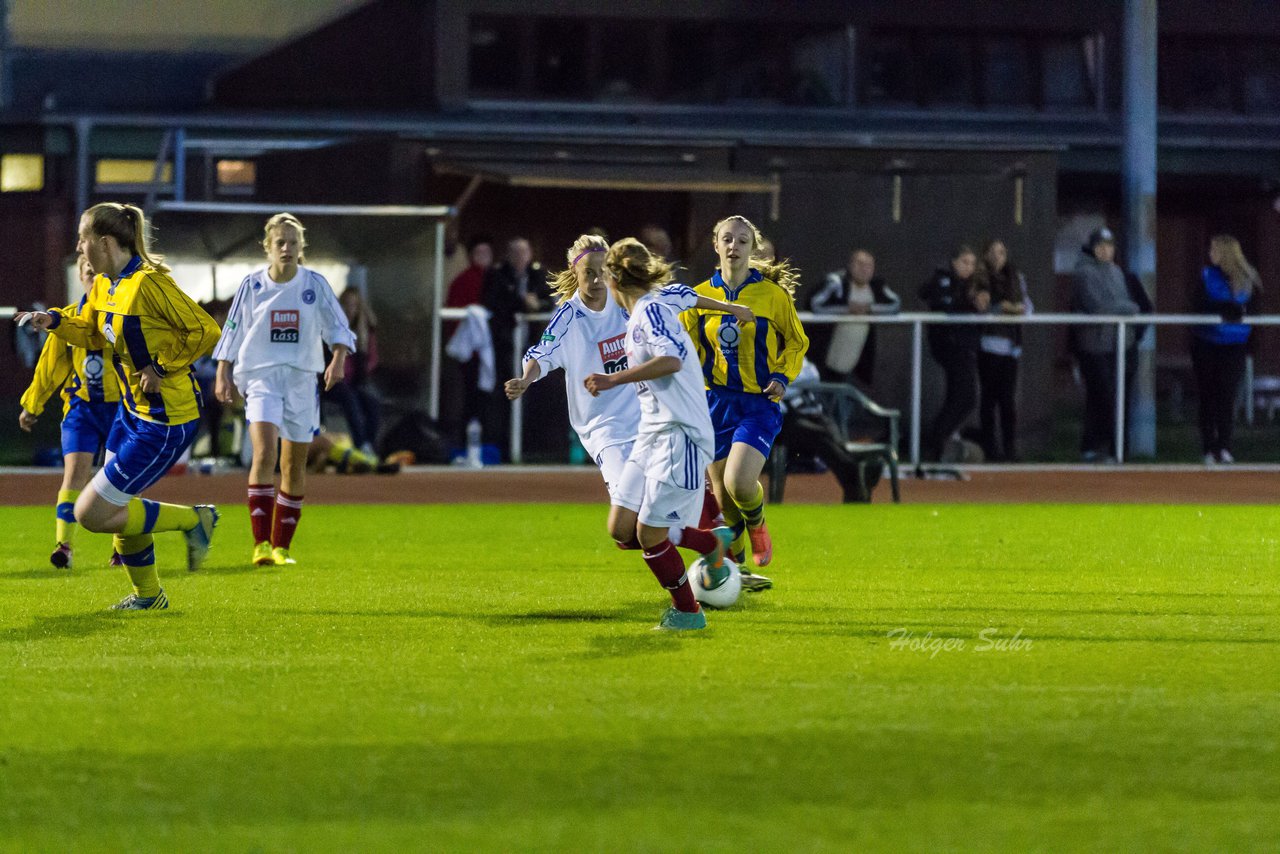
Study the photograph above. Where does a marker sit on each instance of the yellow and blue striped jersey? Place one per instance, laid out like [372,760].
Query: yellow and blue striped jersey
[72,371]
[747,357]
[149,321]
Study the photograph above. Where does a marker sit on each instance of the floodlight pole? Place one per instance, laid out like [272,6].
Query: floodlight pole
[437,303]
[1140,141]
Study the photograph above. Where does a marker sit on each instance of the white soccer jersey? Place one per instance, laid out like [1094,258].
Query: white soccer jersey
[676,402]
[584,342]
[282,323]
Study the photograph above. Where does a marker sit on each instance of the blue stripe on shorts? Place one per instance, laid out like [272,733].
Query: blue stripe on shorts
[147,452]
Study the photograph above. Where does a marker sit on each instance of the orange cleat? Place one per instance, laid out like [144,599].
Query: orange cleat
[761,544]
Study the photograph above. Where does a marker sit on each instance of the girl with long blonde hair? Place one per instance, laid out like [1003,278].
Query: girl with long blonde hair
[1229,286]
[747,367]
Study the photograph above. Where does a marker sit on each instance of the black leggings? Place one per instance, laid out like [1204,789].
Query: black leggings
[1218,368]
[958,361]
[998,383]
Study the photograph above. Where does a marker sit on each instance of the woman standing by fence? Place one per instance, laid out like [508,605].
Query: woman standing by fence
[1228,286]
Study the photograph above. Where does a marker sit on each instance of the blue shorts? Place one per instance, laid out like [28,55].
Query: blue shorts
[147,451]
[89,426]
[740,416]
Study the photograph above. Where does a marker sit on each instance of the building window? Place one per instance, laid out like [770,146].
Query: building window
[1260,78]
[21,173]
[1197,74]
[113,171]
[946,70]
[890,69]
[1069,71]
[237,177]
[1006,72]
[626,61]
[496,53]
[561,51]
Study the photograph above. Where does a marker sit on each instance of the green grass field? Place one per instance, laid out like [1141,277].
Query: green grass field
[485,678]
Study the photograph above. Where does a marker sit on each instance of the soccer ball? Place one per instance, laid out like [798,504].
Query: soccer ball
[705,590]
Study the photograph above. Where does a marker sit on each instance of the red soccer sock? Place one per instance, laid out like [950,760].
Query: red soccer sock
[629,545]
[711,515]
[288,511]
[262,502]
[667,566]
[696,539]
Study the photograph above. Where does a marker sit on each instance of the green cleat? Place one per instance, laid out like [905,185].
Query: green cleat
[201,536]
[262,554]
[675,620]
[725,535]
[134,602]
[280,557]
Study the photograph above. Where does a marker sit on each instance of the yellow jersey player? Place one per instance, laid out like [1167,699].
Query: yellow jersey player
[746,367]
[90,402]
[158,332]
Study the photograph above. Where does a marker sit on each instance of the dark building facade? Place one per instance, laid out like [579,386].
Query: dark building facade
[905,128]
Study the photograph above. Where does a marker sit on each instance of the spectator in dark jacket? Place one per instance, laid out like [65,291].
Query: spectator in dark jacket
[999,350]
[516,286]
[1099,287]
[1229,286]
[851,349]
[955,290]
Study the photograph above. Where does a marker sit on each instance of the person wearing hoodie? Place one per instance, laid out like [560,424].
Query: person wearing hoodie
[955,290]
[1099,287]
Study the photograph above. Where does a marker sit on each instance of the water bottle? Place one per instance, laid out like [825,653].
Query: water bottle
[473,444]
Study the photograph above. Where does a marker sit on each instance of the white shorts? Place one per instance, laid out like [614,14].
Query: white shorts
[663,481]
[284,396]
[612,462]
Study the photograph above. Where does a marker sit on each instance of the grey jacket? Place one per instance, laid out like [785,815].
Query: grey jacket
[1099,288]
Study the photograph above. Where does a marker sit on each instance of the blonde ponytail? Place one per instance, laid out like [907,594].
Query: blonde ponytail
[129,227]
[633,266]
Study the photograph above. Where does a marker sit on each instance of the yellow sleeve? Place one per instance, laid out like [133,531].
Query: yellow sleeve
[79,327]
[795,343]
[194,332]
[52,371]
[689,317]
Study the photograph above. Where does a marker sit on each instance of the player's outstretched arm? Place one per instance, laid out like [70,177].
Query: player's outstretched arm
[655,368]
[518,386]
[743,313]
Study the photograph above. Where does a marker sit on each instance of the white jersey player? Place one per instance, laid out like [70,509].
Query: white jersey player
[662,481]
[271,350]
[586,335]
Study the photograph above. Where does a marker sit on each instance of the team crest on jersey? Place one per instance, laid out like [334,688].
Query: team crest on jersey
[257,286]
[93,369]
[613,352]
[284,326]
[727,335]
[308,296]
[637,335]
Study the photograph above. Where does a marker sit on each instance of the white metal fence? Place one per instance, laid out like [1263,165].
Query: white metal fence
[917,321]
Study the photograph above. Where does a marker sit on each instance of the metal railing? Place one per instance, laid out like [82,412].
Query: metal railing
[917,321]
